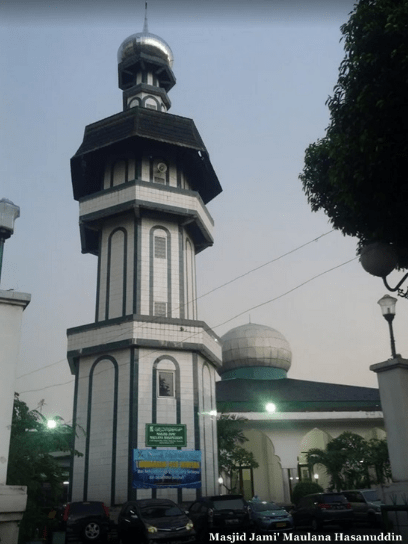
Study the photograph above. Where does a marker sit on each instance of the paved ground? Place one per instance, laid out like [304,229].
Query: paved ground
[331,533]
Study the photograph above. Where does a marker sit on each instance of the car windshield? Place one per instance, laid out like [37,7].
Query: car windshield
[161,511]
[228,504]
[263,506]
[370,496]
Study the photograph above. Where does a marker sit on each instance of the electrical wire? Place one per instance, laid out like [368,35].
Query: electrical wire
[220,324]
[146,326]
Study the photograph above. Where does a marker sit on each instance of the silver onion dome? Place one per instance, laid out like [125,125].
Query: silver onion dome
[254,345]
[147,43]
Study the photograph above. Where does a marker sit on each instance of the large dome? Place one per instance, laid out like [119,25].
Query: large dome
[146,43]
[255,346]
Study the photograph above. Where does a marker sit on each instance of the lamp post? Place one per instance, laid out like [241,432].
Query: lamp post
[380,259]
[8,214]
[387,304]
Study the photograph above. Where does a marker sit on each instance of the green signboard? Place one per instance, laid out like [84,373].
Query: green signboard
[163,435]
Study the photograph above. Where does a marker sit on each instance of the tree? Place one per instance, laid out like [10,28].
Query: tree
[348,458]
[30,463]
[379,459]
[231,455]
[357,172]
[302,489]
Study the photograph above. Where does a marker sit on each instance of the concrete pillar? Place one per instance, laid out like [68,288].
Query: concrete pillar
[13,499]
[393,384]
[392,378]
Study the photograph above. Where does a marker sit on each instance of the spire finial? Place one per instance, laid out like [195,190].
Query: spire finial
[145,27]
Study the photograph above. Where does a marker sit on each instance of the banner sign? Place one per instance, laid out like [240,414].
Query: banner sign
[166,436]
[153,469]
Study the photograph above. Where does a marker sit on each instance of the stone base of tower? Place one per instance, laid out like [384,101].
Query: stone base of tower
[130,374]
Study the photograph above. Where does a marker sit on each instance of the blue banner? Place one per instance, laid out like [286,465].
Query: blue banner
[154,469]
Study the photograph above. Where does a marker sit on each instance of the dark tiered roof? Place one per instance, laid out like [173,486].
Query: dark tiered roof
[243,395]
[142,129]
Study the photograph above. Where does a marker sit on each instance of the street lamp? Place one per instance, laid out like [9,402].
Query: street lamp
[8,214]
[270,407]
[387,304]
[220,482]
[379,260]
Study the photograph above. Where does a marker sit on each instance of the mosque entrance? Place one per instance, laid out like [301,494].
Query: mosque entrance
[243,482]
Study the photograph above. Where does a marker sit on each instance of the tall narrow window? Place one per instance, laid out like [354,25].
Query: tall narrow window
[160,276]
[159,247]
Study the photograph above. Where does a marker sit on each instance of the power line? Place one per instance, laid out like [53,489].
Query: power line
[220,324]
[42,368]
[287,292]
[46,387]
[204,295]
[265,264]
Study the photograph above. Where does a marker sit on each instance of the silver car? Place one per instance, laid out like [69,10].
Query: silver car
[366,505]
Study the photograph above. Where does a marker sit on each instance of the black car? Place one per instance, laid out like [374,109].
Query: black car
[87,521]
[154,520]
[323,508]
[220,514]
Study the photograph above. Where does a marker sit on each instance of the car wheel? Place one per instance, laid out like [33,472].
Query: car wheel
[202,537]
[92,531]
[315,524]
[372,520]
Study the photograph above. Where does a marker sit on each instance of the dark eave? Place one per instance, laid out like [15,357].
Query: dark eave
[142,128]
[143,61]
[240,395]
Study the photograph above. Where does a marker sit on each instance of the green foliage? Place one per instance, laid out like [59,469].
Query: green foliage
[305,488]
[379,459]
[231,455]
[30,463]
[357,172]
[348,458]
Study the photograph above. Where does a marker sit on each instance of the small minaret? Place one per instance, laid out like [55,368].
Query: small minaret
[143,178]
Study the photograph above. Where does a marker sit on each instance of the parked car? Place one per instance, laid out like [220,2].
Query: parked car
[220,514]
[154,520]
[268,517]
[87,521]
[323,508]
[365,504]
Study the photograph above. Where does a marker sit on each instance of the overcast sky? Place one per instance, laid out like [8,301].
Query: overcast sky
[254,76]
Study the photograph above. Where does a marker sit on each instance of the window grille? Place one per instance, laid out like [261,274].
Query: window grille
[160,309]
[160,247]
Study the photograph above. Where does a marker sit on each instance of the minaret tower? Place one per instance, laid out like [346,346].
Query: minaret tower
[145,370]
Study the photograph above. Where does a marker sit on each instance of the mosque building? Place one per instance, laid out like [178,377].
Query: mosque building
[286,417]
[147,371]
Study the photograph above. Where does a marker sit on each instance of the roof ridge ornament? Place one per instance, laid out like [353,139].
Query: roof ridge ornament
[145,25]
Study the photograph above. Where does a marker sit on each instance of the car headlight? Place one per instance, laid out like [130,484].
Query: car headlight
[189,526]
[151,529]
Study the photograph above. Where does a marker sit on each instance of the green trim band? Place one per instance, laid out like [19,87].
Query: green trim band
[255,373]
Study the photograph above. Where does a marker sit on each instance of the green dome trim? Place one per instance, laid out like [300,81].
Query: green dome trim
[255,373]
